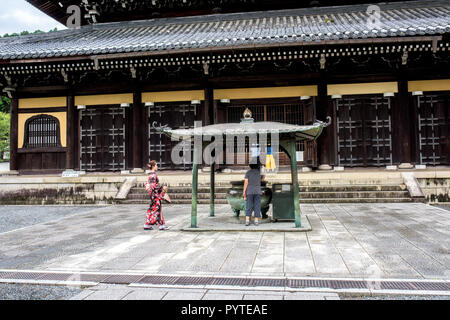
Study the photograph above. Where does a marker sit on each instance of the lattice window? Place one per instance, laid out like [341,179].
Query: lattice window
[292,113]
[434,128]
[42,131]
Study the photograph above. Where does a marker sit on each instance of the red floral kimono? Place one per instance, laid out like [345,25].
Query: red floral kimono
[156,192]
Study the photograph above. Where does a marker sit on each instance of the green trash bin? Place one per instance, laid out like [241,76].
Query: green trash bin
[283,201]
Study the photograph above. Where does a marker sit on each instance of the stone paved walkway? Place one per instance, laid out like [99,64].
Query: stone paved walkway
[347,240]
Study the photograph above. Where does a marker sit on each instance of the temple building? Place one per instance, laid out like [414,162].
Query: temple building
[85,98]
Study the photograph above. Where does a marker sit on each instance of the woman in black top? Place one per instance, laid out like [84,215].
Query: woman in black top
[253,192]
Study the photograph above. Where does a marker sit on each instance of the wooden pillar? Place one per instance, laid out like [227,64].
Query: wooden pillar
[215,116]
[145,136]
[136,131]
[71,138]
[77,147]
[208,109]
[324,142]
[415,143]
[401,125]
[13,135]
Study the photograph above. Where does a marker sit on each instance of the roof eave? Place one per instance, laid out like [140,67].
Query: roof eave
[433,39]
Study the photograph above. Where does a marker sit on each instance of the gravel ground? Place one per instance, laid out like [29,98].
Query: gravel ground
[16,217]
[36,292]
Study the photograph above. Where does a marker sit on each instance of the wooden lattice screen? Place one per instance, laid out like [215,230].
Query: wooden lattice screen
[177,116]
[292,113]
[364,135]
[102,141]
[42,131]
[434,128]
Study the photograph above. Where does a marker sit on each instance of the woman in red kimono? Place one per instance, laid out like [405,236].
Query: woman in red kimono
[157,193]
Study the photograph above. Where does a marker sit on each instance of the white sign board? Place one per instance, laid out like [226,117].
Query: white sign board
[299,155]
[256,152]
[70,174]
[285,187]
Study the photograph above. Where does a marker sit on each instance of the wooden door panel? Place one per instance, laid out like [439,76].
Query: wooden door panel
[364,130]
[102,139]
[177,116]
[434,128]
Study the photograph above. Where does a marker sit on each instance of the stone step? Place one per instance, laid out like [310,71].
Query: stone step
[317,182]
[335,188]
[172,190]
[357,200]
[323,200]
[353,188]
[359,194]
[304,195]
[174,201]
[344,182]
[180,196]
[316,196]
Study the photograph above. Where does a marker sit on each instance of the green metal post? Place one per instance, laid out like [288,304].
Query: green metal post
[198,152]
[294,174]
[212,191]
[197,158]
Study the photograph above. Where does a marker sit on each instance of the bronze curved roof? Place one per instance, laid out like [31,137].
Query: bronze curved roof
[284,130]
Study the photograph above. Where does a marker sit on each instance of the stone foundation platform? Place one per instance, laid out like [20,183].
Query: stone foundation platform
[351,185]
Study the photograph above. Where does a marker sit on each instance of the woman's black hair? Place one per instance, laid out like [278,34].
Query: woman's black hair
[255,164]
[151,164]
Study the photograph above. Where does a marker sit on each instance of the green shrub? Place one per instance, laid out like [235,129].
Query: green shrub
[4,134]
[5,103]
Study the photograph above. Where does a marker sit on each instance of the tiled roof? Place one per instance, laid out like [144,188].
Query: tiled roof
[233,30]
